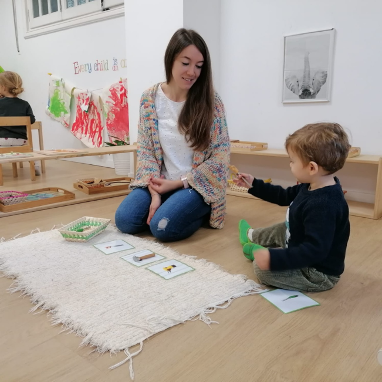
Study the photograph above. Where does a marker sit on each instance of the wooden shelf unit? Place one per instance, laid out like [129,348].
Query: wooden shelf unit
[365,210]
[82,153]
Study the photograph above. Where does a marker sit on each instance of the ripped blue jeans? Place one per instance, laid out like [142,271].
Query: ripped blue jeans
[181,214]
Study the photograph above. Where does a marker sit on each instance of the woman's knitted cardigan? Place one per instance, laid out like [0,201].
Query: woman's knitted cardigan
[209,168]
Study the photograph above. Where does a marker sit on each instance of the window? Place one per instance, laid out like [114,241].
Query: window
[75,8]
[48,12]
[112,3]
[43,12]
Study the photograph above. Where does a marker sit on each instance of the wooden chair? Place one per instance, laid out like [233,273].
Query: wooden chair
[38,126]
[27,148]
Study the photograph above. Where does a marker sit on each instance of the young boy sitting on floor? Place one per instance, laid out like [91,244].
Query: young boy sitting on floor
[307,251]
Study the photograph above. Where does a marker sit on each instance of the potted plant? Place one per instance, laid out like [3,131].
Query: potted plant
[121,160]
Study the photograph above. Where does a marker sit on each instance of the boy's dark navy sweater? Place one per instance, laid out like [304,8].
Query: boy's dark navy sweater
[15,107]
[318,223]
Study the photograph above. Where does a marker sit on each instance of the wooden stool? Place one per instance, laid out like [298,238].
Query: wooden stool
[36,126]
[27,148]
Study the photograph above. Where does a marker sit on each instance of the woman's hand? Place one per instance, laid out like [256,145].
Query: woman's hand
[162,186]
[239,181]
[156,202]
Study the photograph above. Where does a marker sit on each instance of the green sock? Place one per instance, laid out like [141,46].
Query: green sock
[243,231]
[249,248]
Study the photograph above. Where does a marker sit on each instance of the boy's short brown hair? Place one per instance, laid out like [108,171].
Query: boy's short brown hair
[326,144]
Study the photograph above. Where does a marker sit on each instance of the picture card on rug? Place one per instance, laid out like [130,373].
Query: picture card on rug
[170,269]
[113,246]
[289,300]
[134,258]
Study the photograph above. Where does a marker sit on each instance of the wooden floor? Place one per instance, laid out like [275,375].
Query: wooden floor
[337,341]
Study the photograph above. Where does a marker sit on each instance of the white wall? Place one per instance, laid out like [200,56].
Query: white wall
[204,17]
[149,27]
[247,58]
[8,50]
[56,53]
[252,34]
[252,64]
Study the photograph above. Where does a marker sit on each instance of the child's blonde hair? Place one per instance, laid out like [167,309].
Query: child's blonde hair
[12,82]
[326,144]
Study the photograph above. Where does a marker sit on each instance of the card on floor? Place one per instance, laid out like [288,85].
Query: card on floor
[170,269]
[113,246]
[141,258]
[289,300]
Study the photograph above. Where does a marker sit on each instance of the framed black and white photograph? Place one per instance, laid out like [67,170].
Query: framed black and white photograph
[308,66]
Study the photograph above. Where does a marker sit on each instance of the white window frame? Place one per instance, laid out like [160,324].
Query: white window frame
[112,3]
[79,10]
[71,17]
[43,19]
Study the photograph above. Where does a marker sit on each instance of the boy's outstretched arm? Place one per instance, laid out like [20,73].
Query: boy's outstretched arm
[274,194]
[239,181]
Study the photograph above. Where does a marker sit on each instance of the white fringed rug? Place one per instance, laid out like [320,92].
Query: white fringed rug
[111,303]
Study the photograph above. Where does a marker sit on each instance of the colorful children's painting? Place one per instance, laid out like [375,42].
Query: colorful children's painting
[115,104]
[88,126]
[94,110]
[58,106]
[170,269]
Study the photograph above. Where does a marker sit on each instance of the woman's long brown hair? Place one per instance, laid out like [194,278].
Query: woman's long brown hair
[197,115]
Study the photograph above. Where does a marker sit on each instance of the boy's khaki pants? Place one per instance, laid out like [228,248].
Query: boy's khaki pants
[305,279]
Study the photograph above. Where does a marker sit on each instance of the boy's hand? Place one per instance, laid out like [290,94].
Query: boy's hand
[239,181]
[263,259]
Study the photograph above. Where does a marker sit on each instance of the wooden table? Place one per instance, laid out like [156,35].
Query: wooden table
[83,153]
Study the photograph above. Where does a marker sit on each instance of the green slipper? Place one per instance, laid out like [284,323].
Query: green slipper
[249,248]
[243,231]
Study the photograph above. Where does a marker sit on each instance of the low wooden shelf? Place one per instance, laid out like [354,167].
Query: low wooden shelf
[366,210]
[83,153]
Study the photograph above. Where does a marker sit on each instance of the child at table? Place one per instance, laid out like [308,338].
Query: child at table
[307,251]
[12,106]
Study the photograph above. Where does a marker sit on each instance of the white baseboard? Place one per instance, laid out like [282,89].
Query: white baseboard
[358,196]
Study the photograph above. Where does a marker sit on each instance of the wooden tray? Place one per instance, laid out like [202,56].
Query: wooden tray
[91,189]
[59,152]
[64,195]
[354,152]
[248,145]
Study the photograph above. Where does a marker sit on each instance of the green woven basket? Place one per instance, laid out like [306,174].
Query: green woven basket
[83,229]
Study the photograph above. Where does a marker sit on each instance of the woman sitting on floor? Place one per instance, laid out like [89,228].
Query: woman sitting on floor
[183,148]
